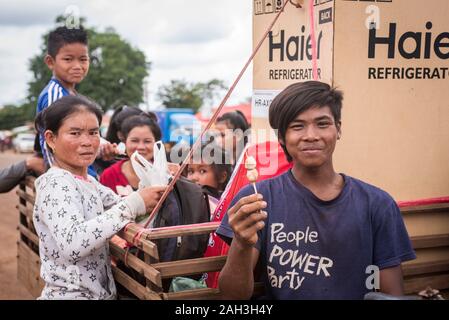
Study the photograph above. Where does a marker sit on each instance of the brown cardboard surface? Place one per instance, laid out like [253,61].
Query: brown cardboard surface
[395,131]
[294,29]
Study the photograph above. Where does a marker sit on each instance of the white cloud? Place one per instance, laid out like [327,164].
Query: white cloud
[192,40]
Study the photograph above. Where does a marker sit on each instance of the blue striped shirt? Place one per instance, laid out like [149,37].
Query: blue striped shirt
[52,92]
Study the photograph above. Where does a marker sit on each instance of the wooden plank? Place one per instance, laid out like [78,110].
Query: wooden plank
[133,286]
[26,196]
[180,231]
[437,207]
[22,217]
[190,266]
[430,241]
[414,269]
[426,224]
[141,267]
[28,269]
[430,255]
[150,249]
[194,294]
[28,234]
[146,246]
[28,212]
[416,284]
[169,232]
[29,182]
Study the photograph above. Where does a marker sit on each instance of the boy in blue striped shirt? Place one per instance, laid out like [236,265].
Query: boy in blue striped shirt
[68,59]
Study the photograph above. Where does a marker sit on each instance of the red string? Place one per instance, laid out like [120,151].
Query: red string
[422,202]
[137,236]
[312,35]
[134,243]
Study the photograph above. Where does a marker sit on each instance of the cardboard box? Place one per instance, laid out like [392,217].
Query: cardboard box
[395,78]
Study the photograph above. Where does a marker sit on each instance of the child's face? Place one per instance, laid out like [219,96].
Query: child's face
[142,140]
[202,174]
[311,138]
[71,64]
[75,145]
[226,138]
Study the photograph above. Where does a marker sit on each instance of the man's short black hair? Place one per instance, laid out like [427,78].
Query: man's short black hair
[62,36]
[299,97]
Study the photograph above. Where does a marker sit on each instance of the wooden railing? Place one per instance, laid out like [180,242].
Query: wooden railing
[428,227]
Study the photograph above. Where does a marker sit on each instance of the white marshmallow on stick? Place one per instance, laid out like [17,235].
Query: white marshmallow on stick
[251,171]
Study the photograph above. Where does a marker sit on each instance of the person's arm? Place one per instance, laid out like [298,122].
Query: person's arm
[391,281]
[149,195]
[11,176]
[236,280]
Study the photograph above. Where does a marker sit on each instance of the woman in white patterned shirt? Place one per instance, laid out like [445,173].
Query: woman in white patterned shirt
[74,215]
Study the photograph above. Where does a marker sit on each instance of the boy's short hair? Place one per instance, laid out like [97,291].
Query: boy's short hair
[299,97]
[62,36]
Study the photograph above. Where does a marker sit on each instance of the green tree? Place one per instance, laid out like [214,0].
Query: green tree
[12,116]
[116,73]
[182,94]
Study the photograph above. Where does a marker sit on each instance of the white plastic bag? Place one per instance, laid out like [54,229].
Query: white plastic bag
[155,174]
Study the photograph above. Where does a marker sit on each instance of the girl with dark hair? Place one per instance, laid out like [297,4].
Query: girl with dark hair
[74,215]
[210,169]
[140,132]
[113,135]
[233,131]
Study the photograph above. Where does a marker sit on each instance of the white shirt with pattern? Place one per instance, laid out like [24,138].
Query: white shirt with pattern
[74,219]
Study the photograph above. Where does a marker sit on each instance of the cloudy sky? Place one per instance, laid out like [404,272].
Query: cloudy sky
[193,40]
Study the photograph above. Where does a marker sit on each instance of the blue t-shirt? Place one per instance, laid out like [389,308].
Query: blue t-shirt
[314,249]
[52,92]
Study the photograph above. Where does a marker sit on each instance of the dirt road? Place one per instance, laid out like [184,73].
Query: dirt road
[10,287]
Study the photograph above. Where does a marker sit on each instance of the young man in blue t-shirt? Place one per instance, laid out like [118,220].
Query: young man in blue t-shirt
[315,233]
[68,59]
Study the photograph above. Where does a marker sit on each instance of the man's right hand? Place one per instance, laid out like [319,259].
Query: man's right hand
[151,195]
[246,218]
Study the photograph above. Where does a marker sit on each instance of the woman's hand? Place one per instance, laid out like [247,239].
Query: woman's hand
[151,195]
[108,151]
[246,218]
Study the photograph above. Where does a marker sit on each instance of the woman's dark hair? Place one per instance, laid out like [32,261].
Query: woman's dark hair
[51,118]
[223,164]
[62,36]
[299,97]
[237,120]
[141,120]
[119,115]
